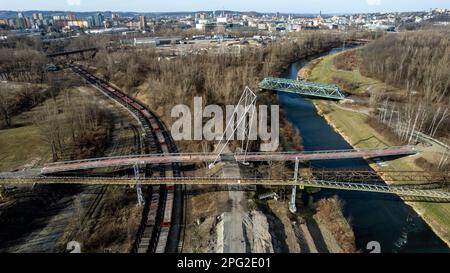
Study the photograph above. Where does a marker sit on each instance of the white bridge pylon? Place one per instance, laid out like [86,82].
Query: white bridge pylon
[244,112]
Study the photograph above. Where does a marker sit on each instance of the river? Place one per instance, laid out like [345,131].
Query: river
[374,217]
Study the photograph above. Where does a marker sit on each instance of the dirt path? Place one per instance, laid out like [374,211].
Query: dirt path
[233,234]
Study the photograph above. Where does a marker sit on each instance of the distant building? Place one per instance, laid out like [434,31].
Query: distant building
[11,23]
[78,24]
[20,23]
[222,20]
[200,26]
[142,22]
[95,21]
[155,41]
[262,26]
[71,17]
[98,20]
[205,26]
[201,16]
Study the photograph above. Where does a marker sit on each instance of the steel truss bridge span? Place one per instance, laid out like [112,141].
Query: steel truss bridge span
[94,163]
[419,190]
[303,88]
[73,52]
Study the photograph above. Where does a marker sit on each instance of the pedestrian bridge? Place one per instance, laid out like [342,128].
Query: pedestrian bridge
[303,88]
[119,161]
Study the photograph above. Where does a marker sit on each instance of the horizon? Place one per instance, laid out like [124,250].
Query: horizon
[207,10]
[181,6]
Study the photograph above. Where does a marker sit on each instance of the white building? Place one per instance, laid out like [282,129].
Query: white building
[222,20]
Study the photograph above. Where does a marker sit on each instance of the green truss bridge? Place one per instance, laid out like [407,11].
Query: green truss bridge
[303,88]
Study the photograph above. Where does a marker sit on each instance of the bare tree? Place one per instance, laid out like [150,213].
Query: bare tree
[6,106]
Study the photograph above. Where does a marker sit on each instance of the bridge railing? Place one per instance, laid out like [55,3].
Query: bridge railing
[400,149]
[403,148]
[304,182]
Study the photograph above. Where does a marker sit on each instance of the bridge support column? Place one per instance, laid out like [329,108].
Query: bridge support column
[292,206]
[140,197]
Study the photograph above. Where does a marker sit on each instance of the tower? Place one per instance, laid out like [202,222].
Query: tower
[142,22]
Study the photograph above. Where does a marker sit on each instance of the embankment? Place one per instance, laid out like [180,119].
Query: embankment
[432,213]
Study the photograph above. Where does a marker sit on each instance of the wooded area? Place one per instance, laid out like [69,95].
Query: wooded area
[22,65]
[74,129]
[217,78]
[417,62]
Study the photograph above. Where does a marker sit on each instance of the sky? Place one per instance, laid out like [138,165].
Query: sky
[285,6]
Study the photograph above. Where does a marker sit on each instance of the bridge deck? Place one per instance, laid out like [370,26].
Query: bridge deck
[66,53]
[411,191]
[304,88]
[196,157]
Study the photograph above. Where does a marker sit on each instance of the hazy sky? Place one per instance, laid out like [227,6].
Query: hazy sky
[290,6]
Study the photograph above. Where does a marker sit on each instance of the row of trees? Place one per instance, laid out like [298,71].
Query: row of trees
[23,65]
[412,117]
[409,120]
[16,98]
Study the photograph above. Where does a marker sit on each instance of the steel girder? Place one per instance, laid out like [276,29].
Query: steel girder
[304,88]
[303,182]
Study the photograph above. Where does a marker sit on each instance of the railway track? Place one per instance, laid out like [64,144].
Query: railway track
[159,230]
[116,149]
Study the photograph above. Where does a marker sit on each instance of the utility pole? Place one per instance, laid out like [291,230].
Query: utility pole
[140,197]
[292,206]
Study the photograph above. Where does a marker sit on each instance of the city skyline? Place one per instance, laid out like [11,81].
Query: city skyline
[284,6]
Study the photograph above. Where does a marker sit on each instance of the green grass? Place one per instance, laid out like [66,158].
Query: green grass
[360,134]
[325,71]
[348,121]
[24,144]
[21,146]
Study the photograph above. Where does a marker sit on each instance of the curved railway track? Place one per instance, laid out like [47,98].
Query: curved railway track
[159,230]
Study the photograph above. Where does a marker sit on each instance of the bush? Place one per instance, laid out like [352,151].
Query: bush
[346,61]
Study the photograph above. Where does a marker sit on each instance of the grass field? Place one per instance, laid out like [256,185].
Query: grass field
[325,72]
[22,146]
[353,126]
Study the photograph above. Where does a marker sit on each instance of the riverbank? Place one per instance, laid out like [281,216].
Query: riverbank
[353,126]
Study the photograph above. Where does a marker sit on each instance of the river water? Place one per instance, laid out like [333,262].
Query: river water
[374,217]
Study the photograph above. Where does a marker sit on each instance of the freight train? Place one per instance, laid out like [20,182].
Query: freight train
[157,224]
